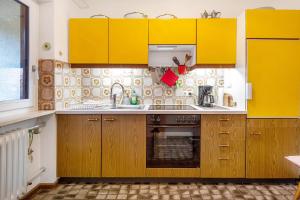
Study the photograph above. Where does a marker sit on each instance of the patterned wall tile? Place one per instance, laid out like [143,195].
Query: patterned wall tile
[85,84]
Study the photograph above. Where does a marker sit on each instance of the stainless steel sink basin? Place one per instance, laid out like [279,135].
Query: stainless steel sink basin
[130,107]
[108,107]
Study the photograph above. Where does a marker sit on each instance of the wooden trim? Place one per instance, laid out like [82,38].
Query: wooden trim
[214,66]
[109,65]
[38,187]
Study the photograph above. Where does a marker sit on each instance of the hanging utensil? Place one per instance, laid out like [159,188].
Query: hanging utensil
[187,59]
[176,61]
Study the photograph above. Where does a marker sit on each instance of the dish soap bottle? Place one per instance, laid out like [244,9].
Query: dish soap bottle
[126,100]
[133,99]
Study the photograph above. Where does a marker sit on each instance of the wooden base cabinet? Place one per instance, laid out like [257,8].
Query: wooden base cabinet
[223,146]
[268,142]
[79,146]
[124,145]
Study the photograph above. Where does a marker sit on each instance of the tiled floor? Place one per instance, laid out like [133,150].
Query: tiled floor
[163,191]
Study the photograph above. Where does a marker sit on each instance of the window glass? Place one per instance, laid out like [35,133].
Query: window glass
[13,50]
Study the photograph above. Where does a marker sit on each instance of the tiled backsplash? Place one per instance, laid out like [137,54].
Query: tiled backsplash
[77,85]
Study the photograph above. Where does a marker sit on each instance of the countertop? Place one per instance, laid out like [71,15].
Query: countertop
[145,110]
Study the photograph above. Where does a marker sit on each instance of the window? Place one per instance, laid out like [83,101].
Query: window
[14,48]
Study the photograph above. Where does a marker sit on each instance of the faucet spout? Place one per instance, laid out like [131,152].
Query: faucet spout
[113,97]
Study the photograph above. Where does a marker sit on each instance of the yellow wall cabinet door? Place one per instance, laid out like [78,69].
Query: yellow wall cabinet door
[216,41]
[273,23]
[273,70]
[268,142]
[79,146]
[88,41]
[128,41]
[172,31]
[123,145]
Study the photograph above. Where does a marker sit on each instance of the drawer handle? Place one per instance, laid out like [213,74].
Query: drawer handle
[224,132]
[224,145]
[256,133]
[109,119]
[223,158]
[224,119]
[93,119]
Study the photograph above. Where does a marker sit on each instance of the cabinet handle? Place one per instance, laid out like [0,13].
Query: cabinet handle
[224,145]
[223,158]
[109,119]
[224,132]
[256,133]
[224,119]
[93,119]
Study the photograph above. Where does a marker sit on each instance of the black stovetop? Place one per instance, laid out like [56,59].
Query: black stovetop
[171,107]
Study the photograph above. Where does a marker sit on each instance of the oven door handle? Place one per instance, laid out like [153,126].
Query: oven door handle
[173,126]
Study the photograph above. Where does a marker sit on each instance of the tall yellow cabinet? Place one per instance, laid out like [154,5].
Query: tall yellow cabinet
[128,41]
[274,71]
[273,63]
[88,41]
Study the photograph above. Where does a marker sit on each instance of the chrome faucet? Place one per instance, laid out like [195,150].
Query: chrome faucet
[113,97]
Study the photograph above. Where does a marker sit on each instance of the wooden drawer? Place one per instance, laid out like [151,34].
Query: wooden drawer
[223,146]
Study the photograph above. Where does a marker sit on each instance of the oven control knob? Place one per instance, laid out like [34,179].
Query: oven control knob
[158,119]
[153,118]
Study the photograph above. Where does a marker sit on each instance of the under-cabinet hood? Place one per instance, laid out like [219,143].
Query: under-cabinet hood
[162,55]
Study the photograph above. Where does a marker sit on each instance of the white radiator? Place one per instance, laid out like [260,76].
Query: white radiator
[13,164]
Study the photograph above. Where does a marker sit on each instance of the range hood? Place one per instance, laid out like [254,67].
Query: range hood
[161,55]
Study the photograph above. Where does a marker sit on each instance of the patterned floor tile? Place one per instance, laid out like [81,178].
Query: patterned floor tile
[163,191]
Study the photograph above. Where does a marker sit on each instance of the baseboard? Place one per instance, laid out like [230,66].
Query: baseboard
[66,180]
[38,187]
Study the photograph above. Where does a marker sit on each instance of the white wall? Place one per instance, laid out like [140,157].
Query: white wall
[54,19]
[181,8]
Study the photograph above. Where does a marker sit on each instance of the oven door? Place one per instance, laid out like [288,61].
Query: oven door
[173,146]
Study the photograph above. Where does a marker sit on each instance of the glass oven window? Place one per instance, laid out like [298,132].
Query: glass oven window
[173,147]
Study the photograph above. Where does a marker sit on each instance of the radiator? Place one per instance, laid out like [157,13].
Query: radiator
[13,164]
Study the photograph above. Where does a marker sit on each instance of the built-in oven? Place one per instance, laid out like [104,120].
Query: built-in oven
[173,141]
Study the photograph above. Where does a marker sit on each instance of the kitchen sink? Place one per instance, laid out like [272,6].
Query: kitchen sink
[130,107]
[107,107]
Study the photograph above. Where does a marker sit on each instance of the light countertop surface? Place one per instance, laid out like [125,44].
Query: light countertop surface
[145,110]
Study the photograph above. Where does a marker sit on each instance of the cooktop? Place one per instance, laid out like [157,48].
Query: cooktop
[171,107]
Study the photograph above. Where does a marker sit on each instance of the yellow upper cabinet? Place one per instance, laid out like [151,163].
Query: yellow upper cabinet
[128,41]
[273,70]
[88,41]
[172,31]
[273,23]
[216,41]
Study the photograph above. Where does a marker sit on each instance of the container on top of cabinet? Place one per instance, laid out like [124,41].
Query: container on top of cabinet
[216,42]
[88,41]
[172,31]
[262,23]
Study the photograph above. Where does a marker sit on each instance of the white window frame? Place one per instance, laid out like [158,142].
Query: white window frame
[11,105]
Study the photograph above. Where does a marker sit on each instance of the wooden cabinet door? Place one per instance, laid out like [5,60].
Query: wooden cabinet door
[172,31]
[88,41]
[128,41]
[223,146]
[79,145]
[273,23]
[216,41]
[268,142]
[273,70]
[123,145]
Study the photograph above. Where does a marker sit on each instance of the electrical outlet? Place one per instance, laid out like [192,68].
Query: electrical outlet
[188,93]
